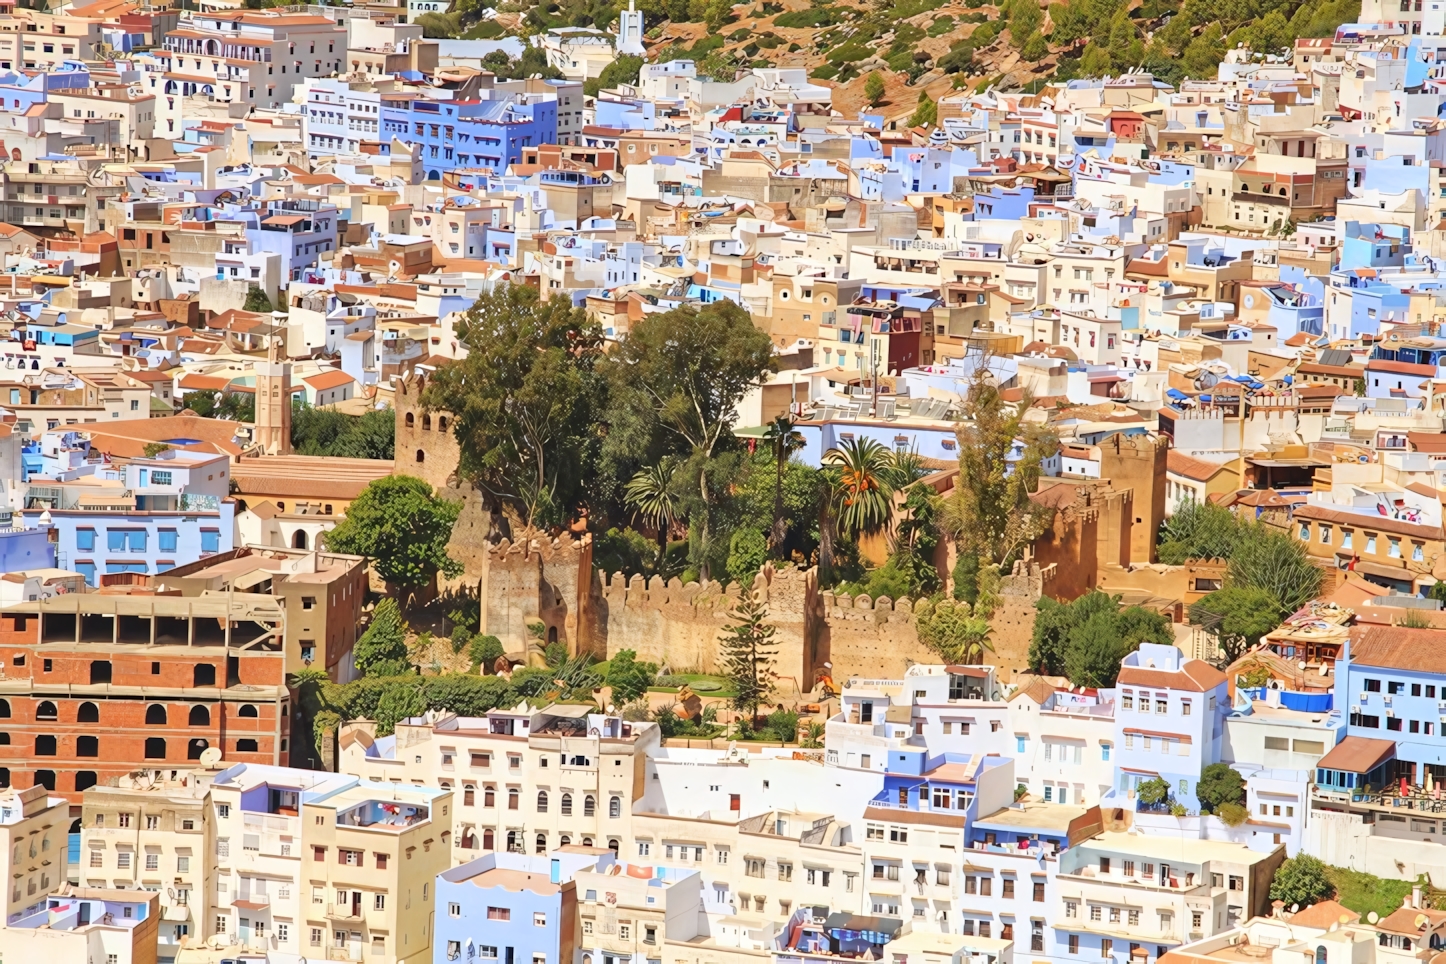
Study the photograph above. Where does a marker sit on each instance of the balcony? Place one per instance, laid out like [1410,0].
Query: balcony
[345,913]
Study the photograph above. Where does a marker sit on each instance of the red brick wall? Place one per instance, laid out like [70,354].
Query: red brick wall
[122,731]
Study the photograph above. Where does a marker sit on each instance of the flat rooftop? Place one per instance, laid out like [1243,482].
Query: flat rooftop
[1174,848]
[1033,815]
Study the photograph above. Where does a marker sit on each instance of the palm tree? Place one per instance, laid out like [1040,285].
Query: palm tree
[785,440]
[864,496]
[650,494]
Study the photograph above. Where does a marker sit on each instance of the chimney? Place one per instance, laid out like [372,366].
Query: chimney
[1416,897]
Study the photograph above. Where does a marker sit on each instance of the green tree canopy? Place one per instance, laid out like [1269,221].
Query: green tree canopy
[1199,530]
[1237,616]
[624,70]
[1301,881]
[954,632]
[326,431]
[1219,784]
[256,300]
[525,401]
[874,88]
[485,651]
[382,649]
[1269,559]
[1085,639]
[674,387]
[990,513]
[402,527]
[629,678]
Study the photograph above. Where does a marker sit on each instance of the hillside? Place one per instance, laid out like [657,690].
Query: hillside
[932,47]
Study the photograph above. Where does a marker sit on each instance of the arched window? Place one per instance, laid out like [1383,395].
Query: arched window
[426,423]
[615,807]
[247,710]
[245,746]
[194,748]
[4,709]
[298,539]
[489,797]
[411,420]
[589,806]
[587,841]
[84,780]
[200,716]
[541,843]
[512,798]
[100,671]
[564,840]
[613,846]
[4,739]
[1320,955]
[567,805]
[5,777]
[489,840]
[155,748]
[45,745]
[552,634]
[45,778]
[87,746]
[87,713]
[204,674]
[155,715]
[441,423]
[45,710]
[421,456]
[469,796]
[541,801]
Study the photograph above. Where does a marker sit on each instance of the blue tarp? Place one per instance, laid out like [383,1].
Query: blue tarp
[1177,395]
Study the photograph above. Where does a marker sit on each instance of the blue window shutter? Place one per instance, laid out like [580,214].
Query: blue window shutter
[115,540]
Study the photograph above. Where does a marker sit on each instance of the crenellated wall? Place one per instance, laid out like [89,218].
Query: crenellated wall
[678,626]
[544,580]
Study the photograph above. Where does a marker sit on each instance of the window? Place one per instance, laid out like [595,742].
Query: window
[499,913]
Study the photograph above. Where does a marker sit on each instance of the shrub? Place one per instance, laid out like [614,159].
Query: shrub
[1301,881]
[1219,785]
[1232,814]
[783,725]
[484,651]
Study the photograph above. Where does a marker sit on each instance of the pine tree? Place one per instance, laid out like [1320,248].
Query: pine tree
[747,650]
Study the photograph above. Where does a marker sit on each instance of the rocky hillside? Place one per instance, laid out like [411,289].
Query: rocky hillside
[899,56]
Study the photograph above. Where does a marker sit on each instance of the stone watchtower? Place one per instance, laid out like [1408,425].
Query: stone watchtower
[273,401]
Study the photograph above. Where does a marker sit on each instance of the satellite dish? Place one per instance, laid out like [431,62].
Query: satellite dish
[1372,917]
[211,756]
[1345,918]
[1421,921]
[171,892]
[1294,908]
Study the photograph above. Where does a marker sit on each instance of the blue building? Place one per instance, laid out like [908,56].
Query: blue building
[510,908]
[148,517]
[483,135]
[1391,683]
[22,549]
[296,228]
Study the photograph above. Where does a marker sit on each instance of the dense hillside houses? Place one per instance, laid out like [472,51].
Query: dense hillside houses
[743,484]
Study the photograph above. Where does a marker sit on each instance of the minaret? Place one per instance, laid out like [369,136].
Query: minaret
[273,401]
[630,31]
